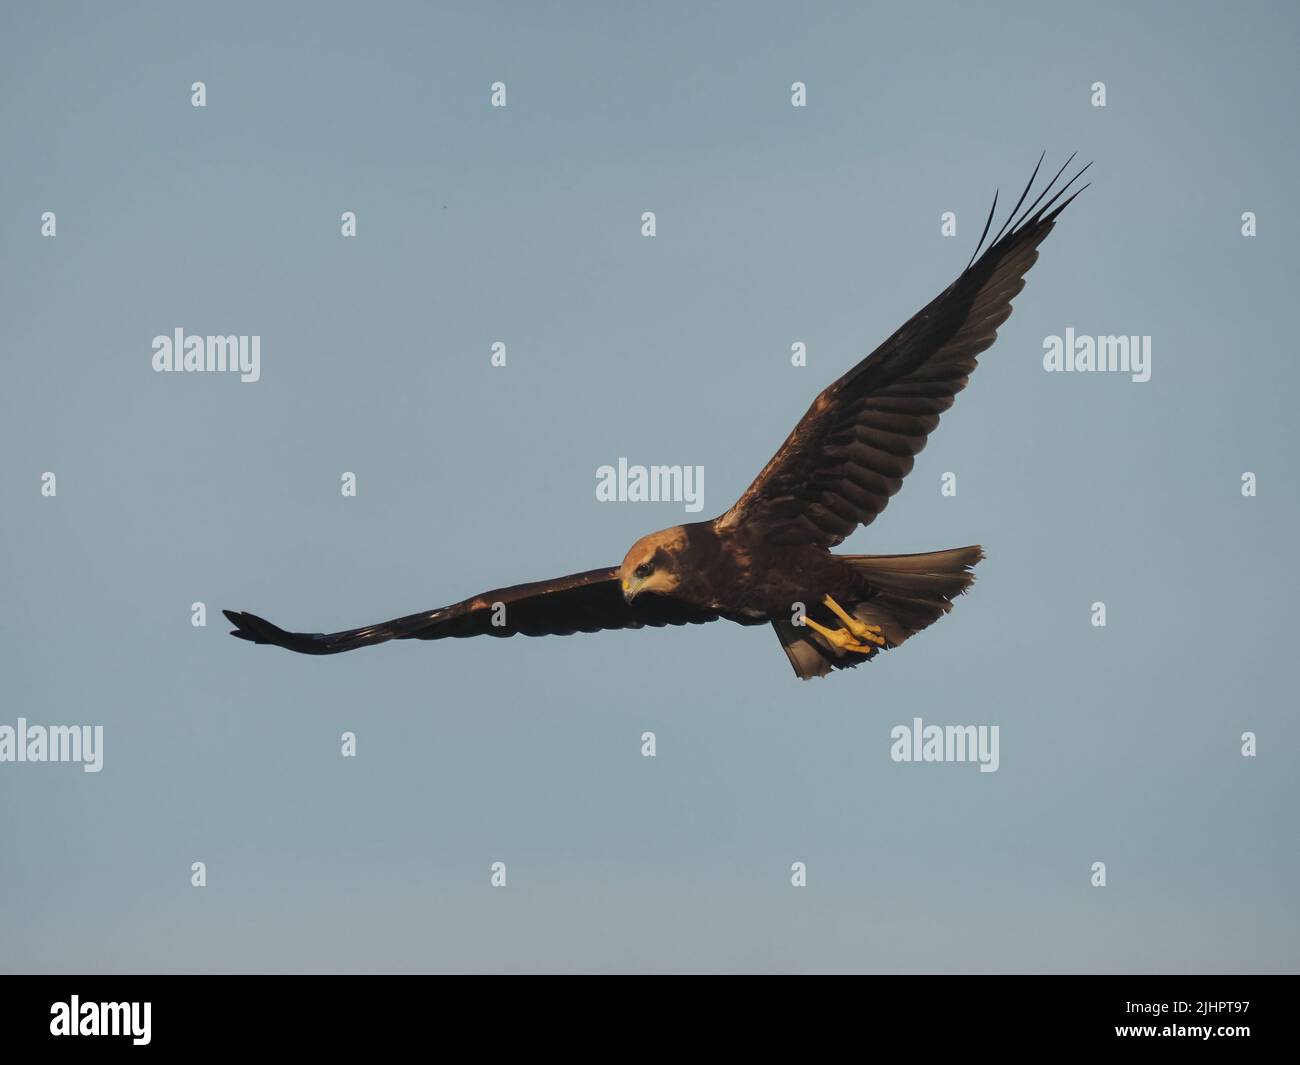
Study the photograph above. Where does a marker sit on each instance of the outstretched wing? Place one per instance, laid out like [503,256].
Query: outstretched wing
[581,602]
[857,442]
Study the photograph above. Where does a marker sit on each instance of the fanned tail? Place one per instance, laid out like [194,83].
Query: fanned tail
[909,593]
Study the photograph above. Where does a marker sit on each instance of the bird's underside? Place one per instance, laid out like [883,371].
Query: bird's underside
[768,559]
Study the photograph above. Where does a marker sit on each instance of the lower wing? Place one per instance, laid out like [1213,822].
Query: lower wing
[581,602]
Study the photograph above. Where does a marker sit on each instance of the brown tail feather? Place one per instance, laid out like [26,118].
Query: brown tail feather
[911,592]
[806,653]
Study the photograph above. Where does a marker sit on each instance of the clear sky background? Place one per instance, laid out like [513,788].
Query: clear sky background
[775,225]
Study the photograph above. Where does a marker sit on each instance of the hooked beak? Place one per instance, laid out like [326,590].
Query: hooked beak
[629,590]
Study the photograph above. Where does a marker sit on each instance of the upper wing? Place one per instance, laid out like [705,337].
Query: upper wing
[857,442]
[581,602]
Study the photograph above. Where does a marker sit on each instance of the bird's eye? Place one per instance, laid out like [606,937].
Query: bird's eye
[644,570]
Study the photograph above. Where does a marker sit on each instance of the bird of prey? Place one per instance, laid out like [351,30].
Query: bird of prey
[768,559]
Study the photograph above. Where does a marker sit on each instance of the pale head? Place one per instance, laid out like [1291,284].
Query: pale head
[651,564]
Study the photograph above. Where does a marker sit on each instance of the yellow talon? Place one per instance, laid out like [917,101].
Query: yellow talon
[840,638]
[870,633]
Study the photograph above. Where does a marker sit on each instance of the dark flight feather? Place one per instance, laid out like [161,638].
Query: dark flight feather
[581,602]
[859,439]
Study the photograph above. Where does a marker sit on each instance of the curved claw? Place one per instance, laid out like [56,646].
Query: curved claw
[865,633]
[842,639]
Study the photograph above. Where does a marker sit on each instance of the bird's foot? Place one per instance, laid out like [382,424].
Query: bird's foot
[858,637]
[865,633]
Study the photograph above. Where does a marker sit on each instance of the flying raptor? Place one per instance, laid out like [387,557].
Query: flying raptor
[768,559]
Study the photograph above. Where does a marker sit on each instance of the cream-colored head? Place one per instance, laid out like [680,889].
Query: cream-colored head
[651,565]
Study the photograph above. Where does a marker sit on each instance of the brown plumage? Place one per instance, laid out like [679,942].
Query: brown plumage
[768,558]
